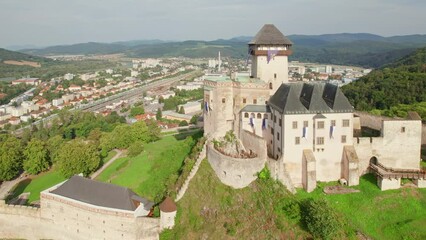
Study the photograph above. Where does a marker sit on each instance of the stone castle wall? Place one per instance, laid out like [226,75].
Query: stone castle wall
[63,219]
[234,172]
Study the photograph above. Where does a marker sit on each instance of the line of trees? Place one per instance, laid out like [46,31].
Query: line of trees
[76,142]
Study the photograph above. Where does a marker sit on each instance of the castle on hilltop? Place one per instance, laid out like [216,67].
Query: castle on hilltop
[303,131]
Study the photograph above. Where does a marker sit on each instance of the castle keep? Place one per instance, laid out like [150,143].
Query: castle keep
[303,131]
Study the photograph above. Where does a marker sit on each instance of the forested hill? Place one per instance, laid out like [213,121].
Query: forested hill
[17,56]
[394,88]
[360,49]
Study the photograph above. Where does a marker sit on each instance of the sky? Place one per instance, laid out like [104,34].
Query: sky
[54,22]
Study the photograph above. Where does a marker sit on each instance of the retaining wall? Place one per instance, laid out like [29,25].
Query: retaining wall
[234,172]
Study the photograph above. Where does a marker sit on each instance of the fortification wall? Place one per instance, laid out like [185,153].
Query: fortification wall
[371,121]
[375,122]
[255,143]
[87,222]
[234,172]
[59,219]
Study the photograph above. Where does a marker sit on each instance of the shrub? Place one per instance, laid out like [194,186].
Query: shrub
[264,174]
[320,219]
[183,123]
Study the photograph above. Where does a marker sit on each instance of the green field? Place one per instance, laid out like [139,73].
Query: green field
[37,184]
[148,173]
[212,210]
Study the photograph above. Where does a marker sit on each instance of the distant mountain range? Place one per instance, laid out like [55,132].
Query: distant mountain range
[361,49]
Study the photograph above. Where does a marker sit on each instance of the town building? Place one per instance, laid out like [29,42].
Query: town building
[27,81]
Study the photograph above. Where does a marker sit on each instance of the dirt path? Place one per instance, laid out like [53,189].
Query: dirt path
[118,155]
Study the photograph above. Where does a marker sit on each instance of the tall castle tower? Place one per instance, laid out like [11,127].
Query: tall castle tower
[269,51]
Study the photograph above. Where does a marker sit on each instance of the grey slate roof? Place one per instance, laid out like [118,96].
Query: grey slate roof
[256,108]
[101,194]
[303,98]
[270,35]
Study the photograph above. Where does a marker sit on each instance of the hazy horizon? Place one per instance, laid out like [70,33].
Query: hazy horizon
[58,22]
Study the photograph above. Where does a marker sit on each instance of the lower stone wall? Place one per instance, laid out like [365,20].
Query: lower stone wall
[58,220]
[234,172]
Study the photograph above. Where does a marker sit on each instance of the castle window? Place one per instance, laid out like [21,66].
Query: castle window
[320,141]
[223,100]
[279,149]
[280,122]
[343,138]
[246,115]
[278,136]
[270,85]
[403,129]
[297,140]
[272,131]
[320,124]
[275,76]
[305,124]
[255,101]
[265,116]
[345,122]
[275,118]
[244,100]
[333,123]
[259,115]
[294,124]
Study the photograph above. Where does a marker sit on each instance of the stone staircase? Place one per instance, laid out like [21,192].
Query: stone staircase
[194,170]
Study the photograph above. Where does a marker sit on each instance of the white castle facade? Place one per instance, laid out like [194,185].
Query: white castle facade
[303,132]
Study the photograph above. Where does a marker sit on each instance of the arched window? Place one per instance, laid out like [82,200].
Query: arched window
[246,115]
[270,85]
[259,115]
[265,116]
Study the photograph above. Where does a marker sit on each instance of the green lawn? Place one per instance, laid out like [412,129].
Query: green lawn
[148,173]
[392,214]
[37,184]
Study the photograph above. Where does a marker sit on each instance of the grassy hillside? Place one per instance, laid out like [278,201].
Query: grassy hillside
[211,210]
[401,82]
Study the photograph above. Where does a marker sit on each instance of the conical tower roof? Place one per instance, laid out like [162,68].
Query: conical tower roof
[270,35]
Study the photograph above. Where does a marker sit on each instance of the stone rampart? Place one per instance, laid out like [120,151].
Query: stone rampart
[255,143]
[234,172]
[372,121]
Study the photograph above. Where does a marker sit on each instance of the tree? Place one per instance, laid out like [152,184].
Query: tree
[194,119]
[36,157]
[53,145]
[76,157]
[181,110]
[10,157]
[135,148]
[159,114]
[183,123]
[321,219]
